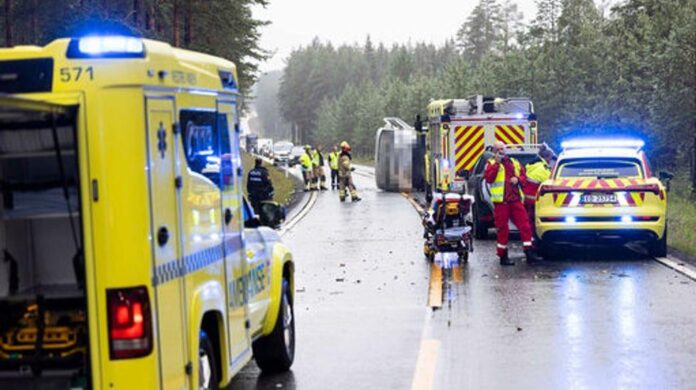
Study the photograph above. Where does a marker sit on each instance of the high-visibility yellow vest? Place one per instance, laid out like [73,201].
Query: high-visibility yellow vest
[498,186]
[427,168]
[538,172]
[306,161]
[315,158]
[333,161]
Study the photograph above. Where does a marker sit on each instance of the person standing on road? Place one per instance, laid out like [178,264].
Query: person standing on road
[536,174]
[333,164]
[345,174]
[506,177]
[307,169]
[318,164]
[259,186]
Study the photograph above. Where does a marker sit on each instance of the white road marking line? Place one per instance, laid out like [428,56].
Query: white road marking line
[678,266]
[297,218]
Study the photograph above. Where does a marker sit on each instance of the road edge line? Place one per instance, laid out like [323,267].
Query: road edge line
[413,202]
[677,265]
[299,216]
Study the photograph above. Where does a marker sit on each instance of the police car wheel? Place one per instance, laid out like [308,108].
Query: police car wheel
[276,352]
[545,249]
[658,248]
[208,377]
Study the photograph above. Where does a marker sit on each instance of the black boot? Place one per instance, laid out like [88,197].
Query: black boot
[506,260]
[532,257]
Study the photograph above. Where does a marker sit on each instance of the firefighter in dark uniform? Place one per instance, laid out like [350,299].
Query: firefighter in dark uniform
[259,186]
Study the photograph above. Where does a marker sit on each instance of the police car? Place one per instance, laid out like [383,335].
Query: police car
[602,191]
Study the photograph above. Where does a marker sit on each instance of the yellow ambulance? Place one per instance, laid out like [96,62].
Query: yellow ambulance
[130,259]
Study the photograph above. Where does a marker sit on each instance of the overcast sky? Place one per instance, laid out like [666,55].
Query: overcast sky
[296,22]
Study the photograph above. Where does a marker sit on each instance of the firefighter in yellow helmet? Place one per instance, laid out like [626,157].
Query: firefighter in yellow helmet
[307,169]
[345,174]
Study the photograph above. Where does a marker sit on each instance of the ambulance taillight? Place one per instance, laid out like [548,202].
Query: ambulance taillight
[130,323]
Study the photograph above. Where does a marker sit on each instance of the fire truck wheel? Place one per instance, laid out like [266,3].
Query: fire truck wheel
[275,352]
[208,377]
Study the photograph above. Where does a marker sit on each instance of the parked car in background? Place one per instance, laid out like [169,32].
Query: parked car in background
[281,152]
[295,154]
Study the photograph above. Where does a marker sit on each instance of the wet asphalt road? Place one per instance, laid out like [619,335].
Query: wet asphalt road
[591,319]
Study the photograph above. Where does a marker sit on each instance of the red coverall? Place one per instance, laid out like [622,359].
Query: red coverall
[511,208]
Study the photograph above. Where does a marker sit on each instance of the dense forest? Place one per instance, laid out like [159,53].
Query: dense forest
[589,70]
[225,28]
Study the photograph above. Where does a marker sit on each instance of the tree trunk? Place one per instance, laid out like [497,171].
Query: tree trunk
[157,15]
[187,24]
[175,24]
[9,41]
[136,14]
[34,22]
[150,17]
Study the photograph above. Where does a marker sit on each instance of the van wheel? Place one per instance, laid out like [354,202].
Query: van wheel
[276,352]
[480,228]
[659,247]
[208,377]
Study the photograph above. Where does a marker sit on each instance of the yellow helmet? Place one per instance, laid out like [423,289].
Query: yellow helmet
[345,145]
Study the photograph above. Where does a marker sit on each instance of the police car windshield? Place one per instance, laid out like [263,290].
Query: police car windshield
[600,169]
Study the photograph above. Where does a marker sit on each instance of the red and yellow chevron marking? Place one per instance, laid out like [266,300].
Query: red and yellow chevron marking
[509,134]
[468,146]
[632,199]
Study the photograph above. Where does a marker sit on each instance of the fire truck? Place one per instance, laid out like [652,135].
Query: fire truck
[459,130]
[441,153]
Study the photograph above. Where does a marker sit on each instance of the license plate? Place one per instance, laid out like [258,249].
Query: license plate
[598,198]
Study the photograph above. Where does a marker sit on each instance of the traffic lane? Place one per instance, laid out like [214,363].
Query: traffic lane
[361,288]
[592,319]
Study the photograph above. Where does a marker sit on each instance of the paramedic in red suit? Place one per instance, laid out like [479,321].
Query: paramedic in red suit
[506,176]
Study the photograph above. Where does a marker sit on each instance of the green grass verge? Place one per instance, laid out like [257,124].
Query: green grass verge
[284,186]
[681,215]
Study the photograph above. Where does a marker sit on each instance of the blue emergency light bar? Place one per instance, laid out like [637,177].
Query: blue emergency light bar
[602,143]
[106,46]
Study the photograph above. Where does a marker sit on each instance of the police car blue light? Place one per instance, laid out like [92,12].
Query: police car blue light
[602,143]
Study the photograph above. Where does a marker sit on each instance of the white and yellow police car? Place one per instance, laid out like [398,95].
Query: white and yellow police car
[602,191]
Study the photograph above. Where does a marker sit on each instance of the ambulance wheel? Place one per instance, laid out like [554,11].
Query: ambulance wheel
[276,351]
[659,247]
[480,228]
[208,377]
